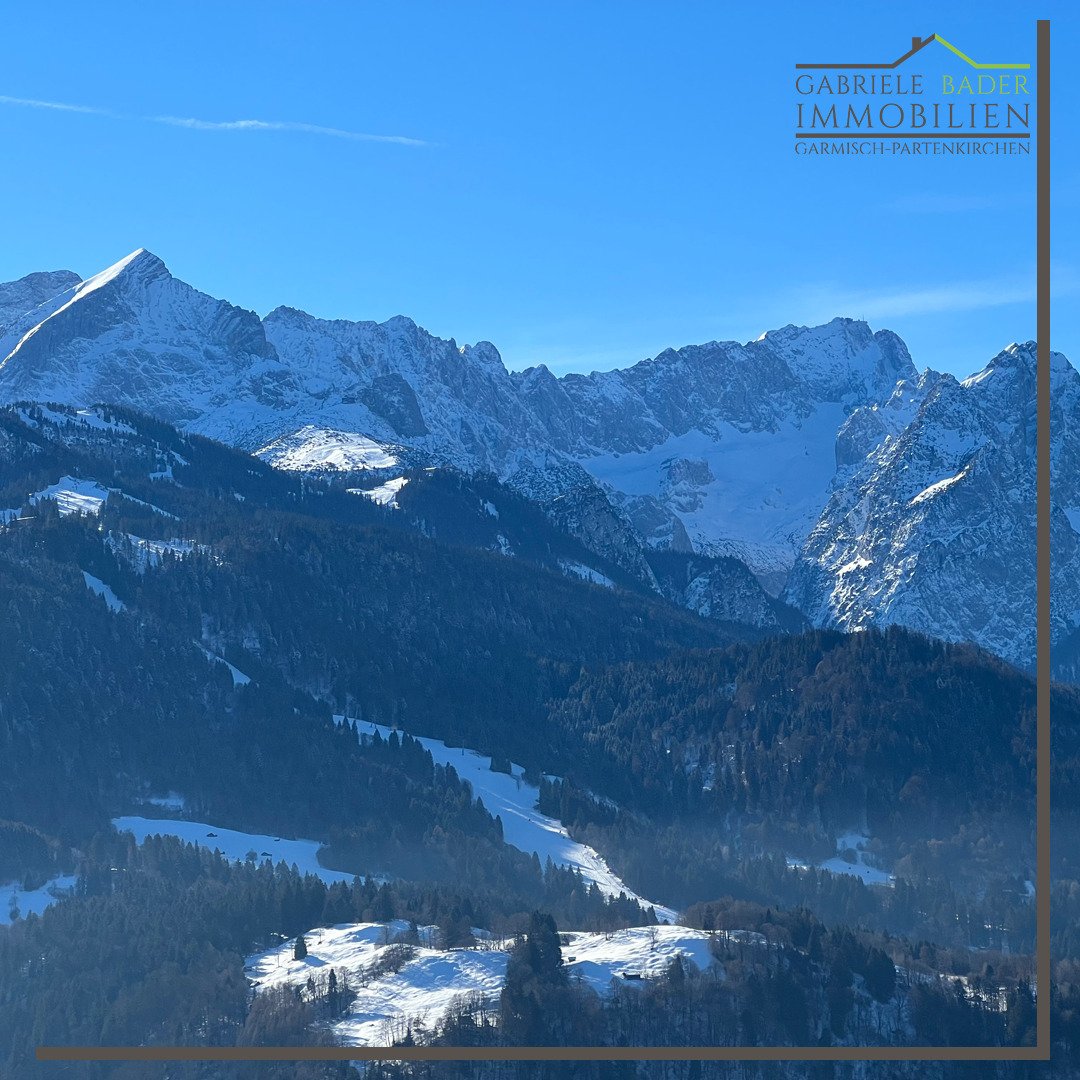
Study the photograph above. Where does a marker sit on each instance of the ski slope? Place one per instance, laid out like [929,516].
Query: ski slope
[524,827]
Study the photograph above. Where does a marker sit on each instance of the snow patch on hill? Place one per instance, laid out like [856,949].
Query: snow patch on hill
[383,495]
[99,588]
[14,899]
[319,449]
[73,496]
[512,799]
[418,994]
[235,845]
[586,573]
[238,677]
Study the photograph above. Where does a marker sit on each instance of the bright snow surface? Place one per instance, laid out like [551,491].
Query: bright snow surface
[428,983]
[586,573]
[32,901]
[74,496]
[77,496]
[99,588]
[314,448]
[850,842]
[508,796]
[524,827]
[385,494]
[238,677]
[759,494]
[235,845]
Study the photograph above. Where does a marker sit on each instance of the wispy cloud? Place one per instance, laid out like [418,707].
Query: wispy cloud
[281,125]
[195,124]
[822,302]
[927,300]
[57,106]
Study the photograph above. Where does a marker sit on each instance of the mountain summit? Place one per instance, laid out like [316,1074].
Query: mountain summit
[799,453]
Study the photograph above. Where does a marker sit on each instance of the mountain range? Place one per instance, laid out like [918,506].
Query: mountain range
[856,488]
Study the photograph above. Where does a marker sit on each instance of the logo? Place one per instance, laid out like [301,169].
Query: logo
[931,102]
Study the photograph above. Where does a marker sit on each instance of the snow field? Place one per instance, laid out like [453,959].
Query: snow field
[514,800]
[428,982]
[235,845]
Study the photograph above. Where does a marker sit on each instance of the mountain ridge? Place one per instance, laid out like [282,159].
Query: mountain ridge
[760,450]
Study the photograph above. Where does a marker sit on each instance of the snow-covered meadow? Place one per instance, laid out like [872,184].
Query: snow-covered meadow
[234,844]
[428,979]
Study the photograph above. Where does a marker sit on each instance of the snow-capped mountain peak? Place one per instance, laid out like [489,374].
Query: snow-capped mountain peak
[934,529]
[140,262]
[822,445]
[133,334]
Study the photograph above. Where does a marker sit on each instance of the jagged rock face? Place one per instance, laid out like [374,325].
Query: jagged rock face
[682,435]
[587,515]
[782,377]
[935,529]
[738,442]
[867,427]
[396,383]
[659,527]
[135,335]
[723,589]
[903,497]
[22,296]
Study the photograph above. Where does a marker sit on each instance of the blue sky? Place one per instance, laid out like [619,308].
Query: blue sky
[582,183]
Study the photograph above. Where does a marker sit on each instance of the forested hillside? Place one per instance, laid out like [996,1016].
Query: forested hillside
[183,624]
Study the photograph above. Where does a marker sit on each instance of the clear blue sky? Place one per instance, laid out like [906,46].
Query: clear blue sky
[593,181]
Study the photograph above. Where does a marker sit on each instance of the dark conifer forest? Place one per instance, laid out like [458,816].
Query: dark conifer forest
[712,766]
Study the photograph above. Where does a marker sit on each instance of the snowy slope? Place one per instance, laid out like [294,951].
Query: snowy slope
[99,588]
[238,677]
[73,496]
[318,449]
[384,494]
[421,991]
[235,845]
[16,900]
[751,494]
[524,827]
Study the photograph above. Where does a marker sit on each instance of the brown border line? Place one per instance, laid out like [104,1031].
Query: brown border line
[1042,539]
[874,67]
[1039,1052]
[540,1053]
